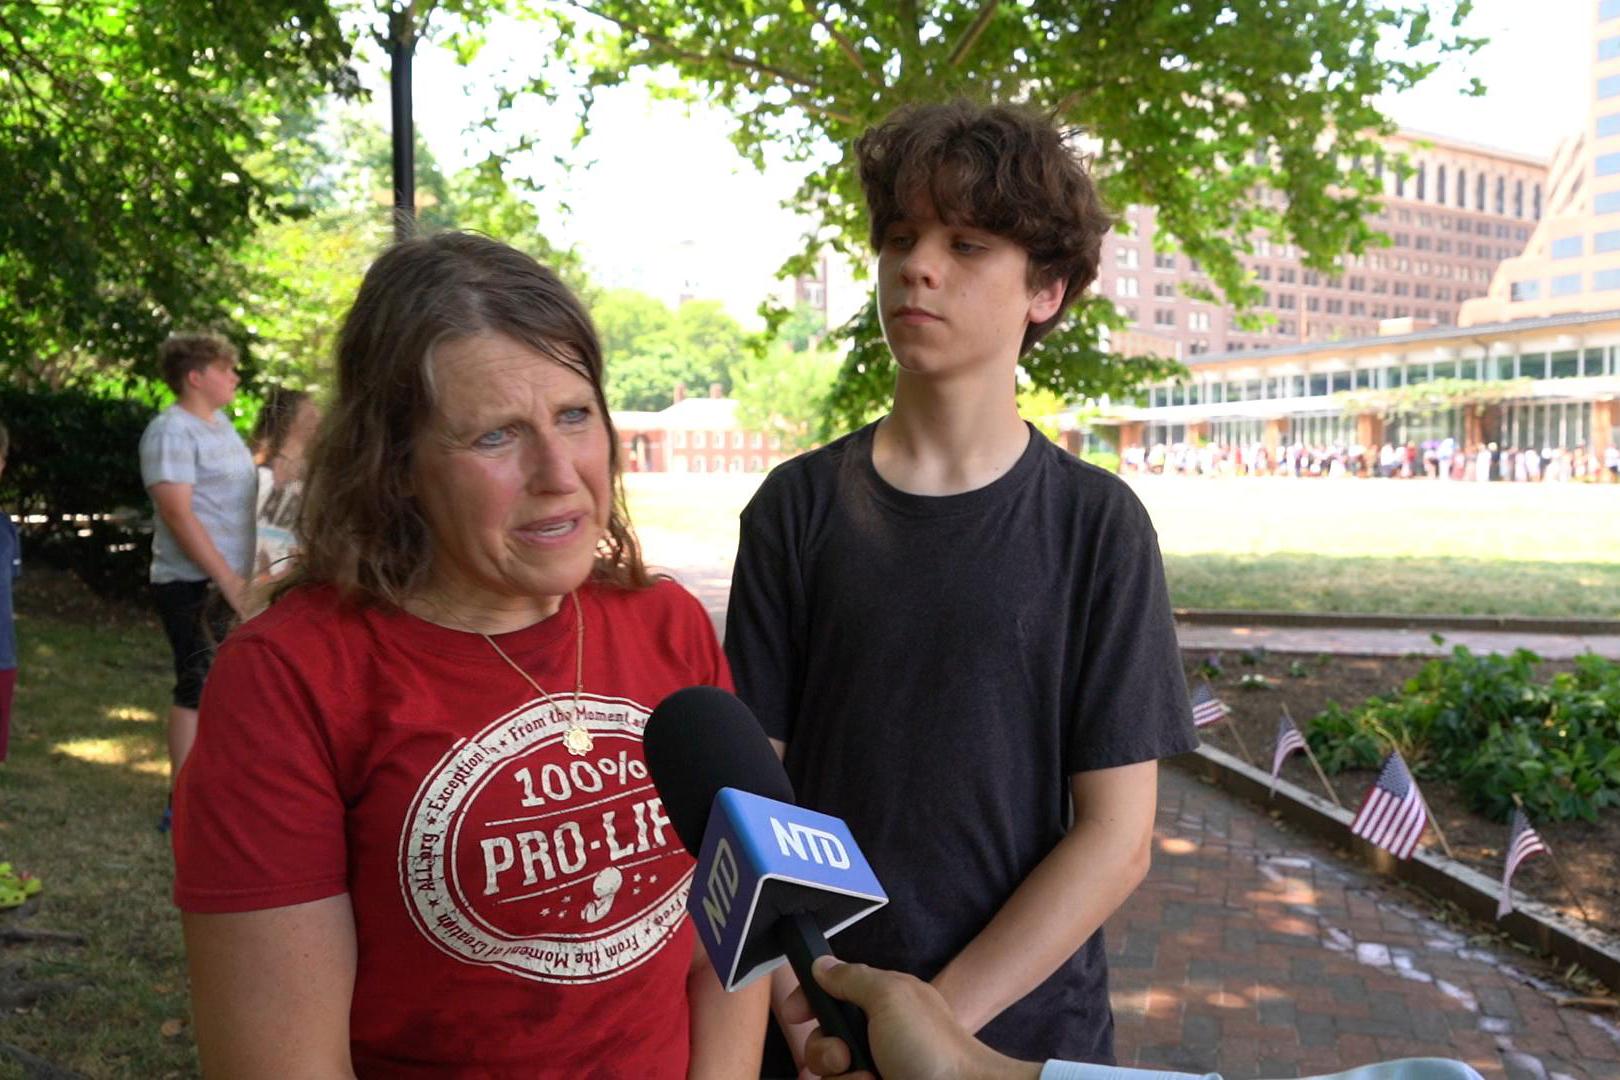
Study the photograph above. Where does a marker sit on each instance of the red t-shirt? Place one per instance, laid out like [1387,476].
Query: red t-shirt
[519,908]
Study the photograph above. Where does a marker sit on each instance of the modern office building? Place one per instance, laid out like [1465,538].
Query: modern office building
[1541,337]
[1562,376]
[1451,222]
[1572,260]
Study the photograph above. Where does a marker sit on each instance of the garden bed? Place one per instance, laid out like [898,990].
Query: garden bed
[1588,852]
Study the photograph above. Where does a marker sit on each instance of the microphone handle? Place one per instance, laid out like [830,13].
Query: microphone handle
[801,939]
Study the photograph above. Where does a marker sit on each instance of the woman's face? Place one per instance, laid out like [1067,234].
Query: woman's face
[512,475]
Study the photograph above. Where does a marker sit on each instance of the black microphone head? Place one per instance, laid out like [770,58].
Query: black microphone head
[700,740]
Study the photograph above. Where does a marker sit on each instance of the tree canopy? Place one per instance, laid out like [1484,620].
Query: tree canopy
[1204,109]
[131,160]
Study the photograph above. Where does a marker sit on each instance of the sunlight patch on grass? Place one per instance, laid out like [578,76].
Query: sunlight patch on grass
[125,750]
[130,714]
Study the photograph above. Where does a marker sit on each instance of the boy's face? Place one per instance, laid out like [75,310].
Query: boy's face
[953,298]
[215,383]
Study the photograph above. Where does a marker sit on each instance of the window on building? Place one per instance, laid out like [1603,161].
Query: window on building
[1518,198]
[1125,256]
[1319,385]
[1501,199]
[1606,241]
[1163,260]
[1462,188]
[1440,185]
[700,440]
[1603,280]
[1608,125]
[1525,290]
[1313,303]
[1607,203]
[1422,181]
[1567,246]
[1287,301]
[1565,365]
[1421,290]
[1479,195]
[1400,185]
[1164,317]
[1125,286]
[1357,307]
[1262,273]
[1564,285]
[1364,378]
[1533,366]
[1606,164]
[1594,362]
[1468,369]
[1335,307]
[1198,320]
[1164,290]
[1608,9]
[1312,278]
[1608,87]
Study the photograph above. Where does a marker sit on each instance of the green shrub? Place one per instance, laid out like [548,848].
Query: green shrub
[75,454]
[1485,722]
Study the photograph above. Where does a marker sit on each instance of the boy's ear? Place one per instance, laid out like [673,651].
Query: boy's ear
[1046,300]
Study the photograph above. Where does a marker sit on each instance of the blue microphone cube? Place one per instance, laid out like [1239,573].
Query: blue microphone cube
[763,860]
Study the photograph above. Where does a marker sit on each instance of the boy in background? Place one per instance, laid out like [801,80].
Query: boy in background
[957,633]
[202,480]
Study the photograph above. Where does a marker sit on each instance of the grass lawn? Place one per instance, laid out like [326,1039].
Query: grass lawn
[1403,547]
[79,800]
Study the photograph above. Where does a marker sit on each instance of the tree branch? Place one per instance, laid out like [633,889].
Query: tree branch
[668,47]
[845,46]
[971,36]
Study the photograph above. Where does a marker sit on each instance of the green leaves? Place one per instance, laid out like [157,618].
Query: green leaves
[129,125]
[1486,722]
[1235,118]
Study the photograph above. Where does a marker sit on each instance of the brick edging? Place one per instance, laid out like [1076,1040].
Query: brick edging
[1518,624]
[1534,924]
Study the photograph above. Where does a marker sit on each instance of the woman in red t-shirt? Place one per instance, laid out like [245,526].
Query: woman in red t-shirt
[416,836]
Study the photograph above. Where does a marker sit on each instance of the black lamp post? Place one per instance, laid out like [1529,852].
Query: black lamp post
[401,44]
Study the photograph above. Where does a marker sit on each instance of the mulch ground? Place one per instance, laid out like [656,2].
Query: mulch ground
[1588,852]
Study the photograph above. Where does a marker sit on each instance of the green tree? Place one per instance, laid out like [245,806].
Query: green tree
[1201,108]
[650,349]
[304,270]
[783,391]
[129,128]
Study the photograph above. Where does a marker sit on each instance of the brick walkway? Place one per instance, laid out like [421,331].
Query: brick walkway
[1253,952]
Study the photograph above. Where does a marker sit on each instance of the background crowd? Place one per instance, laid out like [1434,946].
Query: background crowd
[1442,459]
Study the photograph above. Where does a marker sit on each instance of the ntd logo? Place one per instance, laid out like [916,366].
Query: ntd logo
[721,888]
[811,845]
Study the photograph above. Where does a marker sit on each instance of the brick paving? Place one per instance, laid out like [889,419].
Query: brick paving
[1254,952]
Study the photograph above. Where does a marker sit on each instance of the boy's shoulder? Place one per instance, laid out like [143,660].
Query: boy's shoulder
[1103,496]
[814,472]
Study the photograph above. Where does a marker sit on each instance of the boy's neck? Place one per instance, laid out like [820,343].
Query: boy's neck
[197,406]
[946,438]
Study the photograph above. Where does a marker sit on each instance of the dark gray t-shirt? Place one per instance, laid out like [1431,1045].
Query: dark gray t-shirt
[939,667]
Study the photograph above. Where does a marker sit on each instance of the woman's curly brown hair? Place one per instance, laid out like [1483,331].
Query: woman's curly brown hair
[360,528]
[1000,168]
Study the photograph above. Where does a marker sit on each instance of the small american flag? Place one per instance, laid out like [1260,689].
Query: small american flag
[1523,842]
[1207,709]
[1393,815]
[1289,741]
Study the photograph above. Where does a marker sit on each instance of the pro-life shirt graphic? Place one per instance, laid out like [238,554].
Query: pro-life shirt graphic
[549,864]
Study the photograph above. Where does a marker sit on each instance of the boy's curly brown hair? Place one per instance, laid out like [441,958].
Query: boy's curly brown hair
[1004,169]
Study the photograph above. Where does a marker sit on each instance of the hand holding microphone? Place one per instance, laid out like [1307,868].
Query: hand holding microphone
[773,880]
[913,1033]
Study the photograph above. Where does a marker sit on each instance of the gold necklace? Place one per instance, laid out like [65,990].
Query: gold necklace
[577,738]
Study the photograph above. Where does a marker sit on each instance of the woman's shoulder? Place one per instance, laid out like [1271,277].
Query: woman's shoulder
[300,616]
[664,599]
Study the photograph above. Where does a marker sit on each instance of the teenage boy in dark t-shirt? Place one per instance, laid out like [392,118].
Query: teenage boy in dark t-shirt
[958,634]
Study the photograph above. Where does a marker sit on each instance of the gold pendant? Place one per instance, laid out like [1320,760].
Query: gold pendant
[578,740]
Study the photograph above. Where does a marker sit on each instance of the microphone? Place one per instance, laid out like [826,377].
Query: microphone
[773,880]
